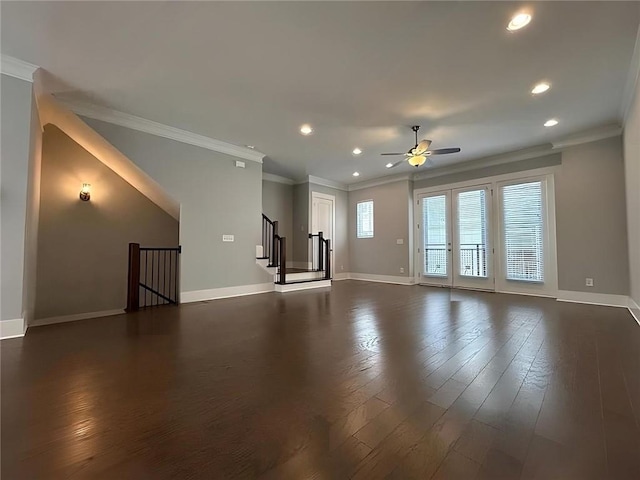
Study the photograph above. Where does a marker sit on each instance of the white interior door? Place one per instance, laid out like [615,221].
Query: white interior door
[434,242]
[472,240]
[322,220]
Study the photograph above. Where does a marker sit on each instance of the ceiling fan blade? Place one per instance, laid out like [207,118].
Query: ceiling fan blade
[393,154]
[443,151]
[397,163]
[422,147]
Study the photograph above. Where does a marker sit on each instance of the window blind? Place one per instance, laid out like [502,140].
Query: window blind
[364,216]
[523,231]
[434,214]
[472,232]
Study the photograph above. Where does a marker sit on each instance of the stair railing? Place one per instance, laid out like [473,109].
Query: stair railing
[281,244]
[153,276]
[269,242]
[320,254]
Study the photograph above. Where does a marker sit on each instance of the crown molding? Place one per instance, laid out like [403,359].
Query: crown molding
[493,160]
[633,77]
[600,133]
[380,181]
[17,68]
[323,182]
[154,128]
[270,177]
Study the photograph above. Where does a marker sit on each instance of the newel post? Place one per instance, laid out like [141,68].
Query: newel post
[133,280]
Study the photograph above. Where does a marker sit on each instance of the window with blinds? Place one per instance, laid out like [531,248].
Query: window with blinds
[434,215]
[472,233]
[522,212]
[364,219]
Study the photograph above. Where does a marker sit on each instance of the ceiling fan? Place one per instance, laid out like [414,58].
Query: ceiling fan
[417,155]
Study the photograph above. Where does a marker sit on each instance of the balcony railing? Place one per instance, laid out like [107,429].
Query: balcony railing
[473,260]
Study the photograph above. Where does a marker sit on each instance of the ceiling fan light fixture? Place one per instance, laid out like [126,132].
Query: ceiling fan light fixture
[540,88]
[519,21]
[357,151]
[417,160]
[306,129]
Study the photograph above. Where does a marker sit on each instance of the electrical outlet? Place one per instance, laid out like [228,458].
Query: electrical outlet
[228,238]
[589,282]
[400,241]
[401,270]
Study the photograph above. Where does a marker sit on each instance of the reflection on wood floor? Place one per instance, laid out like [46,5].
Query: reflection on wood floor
[366,381]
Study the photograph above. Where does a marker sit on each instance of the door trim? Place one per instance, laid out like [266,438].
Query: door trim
[547,175]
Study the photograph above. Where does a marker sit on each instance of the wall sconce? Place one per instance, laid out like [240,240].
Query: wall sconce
[85,193]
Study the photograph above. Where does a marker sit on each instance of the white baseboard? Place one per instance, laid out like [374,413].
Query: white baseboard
[295,287]
[225,292]
[73,318]
[634,310]
[13,328]
[340,276]
[604,299]
[368,277]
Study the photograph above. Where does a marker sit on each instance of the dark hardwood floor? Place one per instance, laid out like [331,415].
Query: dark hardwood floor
[366,381]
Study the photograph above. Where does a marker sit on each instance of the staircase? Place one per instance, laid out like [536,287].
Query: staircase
[272,257]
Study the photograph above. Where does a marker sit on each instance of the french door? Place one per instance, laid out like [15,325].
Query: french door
[455,241]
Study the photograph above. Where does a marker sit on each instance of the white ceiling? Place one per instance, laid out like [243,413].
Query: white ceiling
[360,73]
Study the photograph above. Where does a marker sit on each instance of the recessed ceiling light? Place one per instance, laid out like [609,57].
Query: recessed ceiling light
[540,88]
[356,174]
[252,147]
[389,165]
[356,151]
[551,123]
[306,129]
[519,21]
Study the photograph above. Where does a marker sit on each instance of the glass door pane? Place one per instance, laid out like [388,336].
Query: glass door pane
[436,241]
[472,250]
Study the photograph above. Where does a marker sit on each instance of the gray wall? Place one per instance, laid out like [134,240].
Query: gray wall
[590,216]
[341,235]
[216,198]
[32,216]
[83,246]
[16,127]
[632,176]
[591,225]
[277,204]
[505,168]
[381,255]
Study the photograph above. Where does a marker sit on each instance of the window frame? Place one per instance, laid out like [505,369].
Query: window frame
[358,236]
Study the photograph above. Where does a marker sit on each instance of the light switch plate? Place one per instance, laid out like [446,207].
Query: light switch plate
[240,164]
[228,238]
[400,241]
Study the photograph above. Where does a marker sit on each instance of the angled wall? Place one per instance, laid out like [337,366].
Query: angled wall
[216,199]
[83,246]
